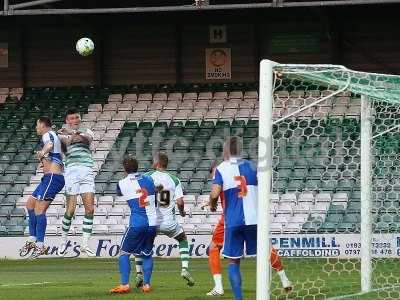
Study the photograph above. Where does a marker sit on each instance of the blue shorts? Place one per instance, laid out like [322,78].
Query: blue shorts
[50,185]
[139,240]
[235,239]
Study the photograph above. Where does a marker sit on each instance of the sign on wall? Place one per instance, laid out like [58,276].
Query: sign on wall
[218,64]
[342,246]
[3,55]
[217,34]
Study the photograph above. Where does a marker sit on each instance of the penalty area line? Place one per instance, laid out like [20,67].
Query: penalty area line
[30,284]
[364,293]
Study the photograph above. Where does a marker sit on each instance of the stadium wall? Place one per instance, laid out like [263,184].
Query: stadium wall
[167,48]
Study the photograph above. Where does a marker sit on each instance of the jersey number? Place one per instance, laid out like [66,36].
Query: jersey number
[163,198]
[143,197]
[242,185]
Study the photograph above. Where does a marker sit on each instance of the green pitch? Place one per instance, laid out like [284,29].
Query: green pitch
[85,279]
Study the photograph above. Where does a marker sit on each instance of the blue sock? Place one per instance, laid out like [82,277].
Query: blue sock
[124,268]
[236,280]
[147,269]
[41,223]
[32,222]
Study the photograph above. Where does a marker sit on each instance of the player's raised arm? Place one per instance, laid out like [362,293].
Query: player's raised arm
[216,189]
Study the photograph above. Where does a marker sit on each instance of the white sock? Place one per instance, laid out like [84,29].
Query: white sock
[282,275]
[85,240]
[139,264]
[40,244]
[218,282]
[32,239]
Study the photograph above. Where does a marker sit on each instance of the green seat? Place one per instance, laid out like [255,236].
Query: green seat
[185,175]
[17,189]
[189,165]
[22,179]
[310,227]
[7,179]
[328,227]
[5,212]
[204,165]
[15,230]
[103,177]
[3,230]
[4,188]
[354,207]
[174,166]
[352,218]
[200,176]
[6,158]
[334,218]
[13,169]
[18,212]
[20,158]
[110,189]
[195,188]
[381,227]
[336,209]
[295,185]
[29,169]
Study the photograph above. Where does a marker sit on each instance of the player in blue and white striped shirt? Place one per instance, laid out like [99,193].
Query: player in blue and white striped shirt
[236,178]
[51,184]
[139,192]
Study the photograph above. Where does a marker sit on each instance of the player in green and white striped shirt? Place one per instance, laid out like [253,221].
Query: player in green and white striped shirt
[79,178]
[169,193]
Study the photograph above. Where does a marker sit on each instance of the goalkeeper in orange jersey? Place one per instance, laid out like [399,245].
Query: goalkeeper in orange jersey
[214,260]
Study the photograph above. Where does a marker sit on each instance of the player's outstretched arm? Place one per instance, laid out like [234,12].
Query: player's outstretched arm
[181,206]
[214,195]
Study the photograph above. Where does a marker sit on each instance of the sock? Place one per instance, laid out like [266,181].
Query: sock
[275,260]
[66,225]
[87,229]
[236,280]
[283,277]
[124,268]
[214,263]
[32,225]
[147,269]
[41,223]
[139,264]
[184,252]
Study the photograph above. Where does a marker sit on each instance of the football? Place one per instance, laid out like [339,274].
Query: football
[85,46]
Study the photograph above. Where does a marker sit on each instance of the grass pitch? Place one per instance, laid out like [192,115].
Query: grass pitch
[58,279]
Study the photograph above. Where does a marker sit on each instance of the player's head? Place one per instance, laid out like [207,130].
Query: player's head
[73,117]
[130,164]
[43,124]
[160,161]
[232,147]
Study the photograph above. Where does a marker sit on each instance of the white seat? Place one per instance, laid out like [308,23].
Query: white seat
[285,207]
[205,96]
[158,105]
[117,229]
[52,211]
[160,97]
[188,104]
[141,106]
[115,125]
[115,98]
[100,229]
[145,97]
[204,229]
[130,98]
[110,221]
[276,227]
[320,207]
[236,95]
[220,96]
[172,105]
[105,200]
[166,115]
[189,96]
[125,106]
[175,97]
[117,211]
[59,199]
[219,104]
[95,107]
[182,115]
[189,228]
[52,229]
[121,116]
[290,197]
[250,95]
[189,199]
[323,197]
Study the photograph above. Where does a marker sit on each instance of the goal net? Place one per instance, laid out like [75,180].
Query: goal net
[329,165]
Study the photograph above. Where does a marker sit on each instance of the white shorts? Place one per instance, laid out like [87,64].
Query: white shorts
[79,180]
[170,228]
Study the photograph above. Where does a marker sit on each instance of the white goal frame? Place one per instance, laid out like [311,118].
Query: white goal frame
[265,164]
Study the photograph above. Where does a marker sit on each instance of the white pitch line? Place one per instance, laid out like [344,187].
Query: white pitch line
[30,284]
[364,293]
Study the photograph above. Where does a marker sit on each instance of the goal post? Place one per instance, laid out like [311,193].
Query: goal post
[326,137]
